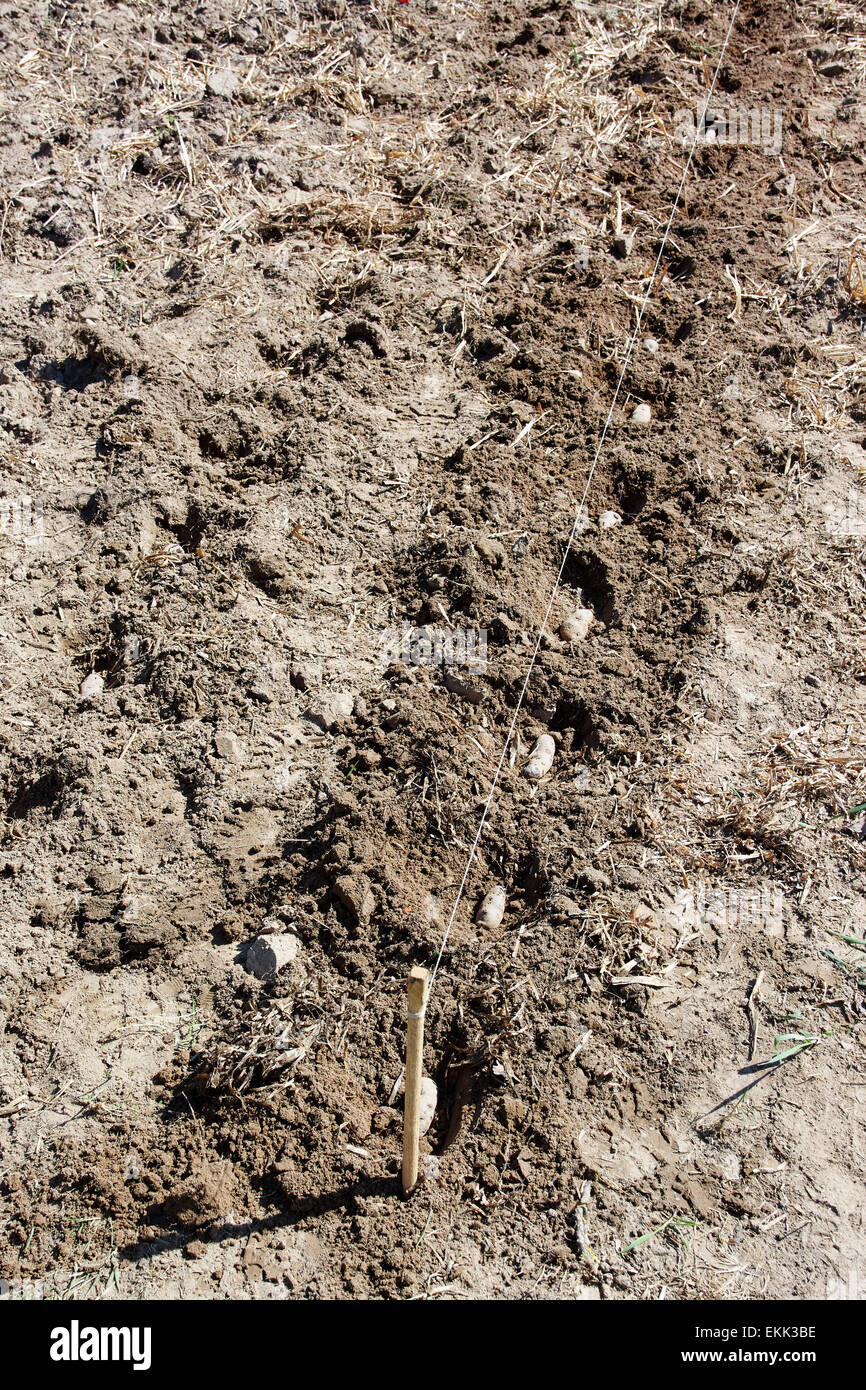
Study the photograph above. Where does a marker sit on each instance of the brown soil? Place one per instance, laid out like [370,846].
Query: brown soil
[315,312]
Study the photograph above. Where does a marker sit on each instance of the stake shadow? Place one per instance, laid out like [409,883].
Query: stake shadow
[138,1252]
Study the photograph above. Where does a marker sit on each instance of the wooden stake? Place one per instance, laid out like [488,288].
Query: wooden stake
[419,983]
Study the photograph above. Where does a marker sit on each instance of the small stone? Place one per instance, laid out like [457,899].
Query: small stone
[92,686]
[267,955]
[651,344]
[608,520]
[524,1164]
[642,414]
[223,83]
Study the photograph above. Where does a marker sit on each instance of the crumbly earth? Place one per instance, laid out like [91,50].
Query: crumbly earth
[314,316]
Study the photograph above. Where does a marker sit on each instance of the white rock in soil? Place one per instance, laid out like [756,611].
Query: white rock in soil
[92,686]
[608,520]
[651,344]
[429,1098]
[642,414]
[541,758]
[267,955]
[491,909]
[575,627]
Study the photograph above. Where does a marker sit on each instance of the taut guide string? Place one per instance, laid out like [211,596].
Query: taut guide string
[641,309]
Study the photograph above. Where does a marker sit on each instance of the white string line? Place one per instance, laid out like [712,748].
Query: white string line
[573,532]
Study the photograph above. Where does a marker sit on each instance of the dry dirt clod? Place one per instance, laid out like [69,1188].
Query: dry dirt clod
[223,83]
[268,955]
[229,746]
[356,894]
[592,880]
[202,1198]
[329,710]
[466,692]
